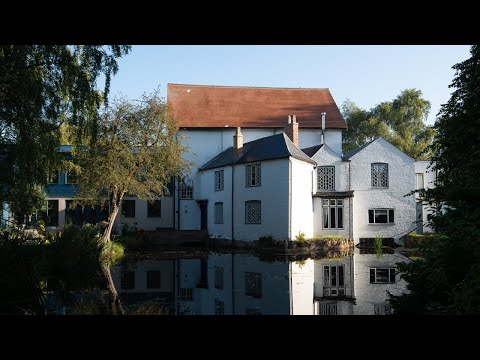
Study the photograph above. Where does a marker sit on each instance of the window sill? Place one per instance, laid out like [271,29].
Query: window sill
[382,224]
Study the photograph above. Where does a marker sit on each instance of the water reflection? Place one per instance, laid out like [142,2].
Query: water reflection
[245,284]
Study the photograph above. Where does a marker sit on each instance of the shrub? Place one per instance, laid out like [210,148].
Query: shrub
[300,236]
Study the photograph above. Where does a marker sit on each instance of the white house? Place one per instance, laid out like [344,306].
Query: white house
[268,162]
[425,177]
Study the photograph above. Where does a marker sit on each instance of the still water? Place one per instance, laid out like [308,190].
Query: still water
[233,283]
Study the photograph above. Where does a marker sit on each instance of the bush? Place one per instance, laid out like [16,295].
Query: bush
[300,236]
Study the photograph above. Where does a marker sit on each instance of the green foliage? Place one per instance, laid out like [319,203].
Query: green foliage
[447,280]
[41,88]
[138,151]
[300,236]
[151,308]
[401,122]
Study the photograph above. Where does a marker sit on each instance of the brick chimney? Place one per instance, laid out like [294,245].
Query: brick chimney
[238,140]
[291,129]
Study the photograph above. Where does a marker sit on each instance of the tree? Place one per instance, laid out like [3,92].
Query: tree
[401,122]
[137,152]
[446,281]
[41,88]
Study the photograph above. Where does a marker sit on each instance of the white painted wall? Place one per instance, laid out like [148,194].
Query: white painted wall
[312,137]
[273,193]
[302,206]
[301,287]
[429,177]
[327,157]
[401,170]
[141,221]
[366,294]
[207,191]
[275,299]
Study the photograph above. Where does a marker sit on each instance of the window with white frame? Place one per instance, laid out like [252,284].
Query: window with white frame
[253,212]
[381,216]
[326,308]
[186,192]
[254,175]
[326,177]
[419,184]
[219,307]
[380,175]
[332,213]
[382,275]
[219,278]
[219,180]
[382,309]
[253,284]
[333,280]
[218,213]
[186,294]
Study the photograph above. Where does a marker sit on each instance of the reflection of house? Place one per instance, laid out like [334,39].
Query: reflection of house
[374,276]
[242,284]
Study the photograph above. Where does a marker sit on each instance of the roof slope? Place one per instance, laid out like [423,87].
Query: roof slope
[353,152]
[267,148]
[204,106]
[312,150]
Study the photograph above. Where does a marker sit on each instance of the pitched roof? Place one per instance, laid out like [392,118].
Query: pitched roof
[267,148]
[353,152]
[205,106]
[312,150]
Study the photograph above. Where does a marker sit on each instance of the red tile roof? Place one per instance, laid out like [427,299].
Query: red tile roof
[205,106]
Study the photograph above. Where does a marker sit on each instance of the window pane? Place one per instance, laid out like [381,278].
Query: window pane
[154,209]
[382,276]
[372,275]
[392,275]
[341,280]
[340,217]
[52,212]
[332,202]
[326,276]
[332,218]
[334,275]
[419,181]
[128,208]
[370,216]
[153,279]
[340,202]
[325,202]
[326,178]
[391,218]
[325,217]
[380,216]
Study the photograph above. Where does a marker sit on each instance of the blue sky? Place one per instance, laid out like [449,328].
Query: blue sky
[364,74]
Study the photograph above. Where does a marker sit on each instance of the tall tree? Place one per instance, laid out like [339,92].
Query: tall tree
[138,150]
[41,88]
[401,122]
[447,281]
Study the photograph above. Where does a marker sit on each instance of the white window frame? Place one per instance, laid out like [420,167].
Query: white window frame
[218,214]
[186,192]
[376,181]
[249,205]
[417,176]
[253,176]
[326,178]
[332,282]
[381,223]
[219,180]
[335,204]
[391,274]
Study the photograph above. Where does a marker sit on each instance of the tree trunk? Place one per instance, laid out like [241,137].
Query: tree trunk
[111,220]
[115,302]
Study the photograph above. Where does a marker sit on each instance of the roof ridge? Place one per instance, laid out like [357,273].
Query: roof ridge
[250,87]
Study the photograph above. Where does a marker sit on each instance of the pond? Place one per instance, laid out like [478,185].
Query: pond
[199,282]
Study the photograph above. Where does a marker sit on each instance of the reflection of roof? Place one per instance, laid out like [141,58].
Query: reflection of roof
[310,151]
[204,106]
[267,148]
[353,152]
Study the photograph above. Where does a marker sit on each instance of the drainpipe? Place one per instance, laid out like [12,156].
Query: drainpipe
[174,188]
[289,198]
[233,281]
[350,201]
[178,203]
[233,240]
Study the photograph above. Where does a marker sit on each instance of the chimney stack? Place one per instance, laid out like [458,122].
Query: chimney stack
[322,141]
[291,129]
[238,140]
